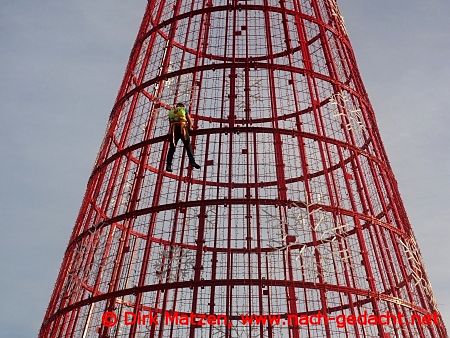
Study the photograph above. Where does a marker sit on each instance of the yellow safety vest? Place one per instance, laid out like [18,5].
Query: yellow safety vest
[178,114]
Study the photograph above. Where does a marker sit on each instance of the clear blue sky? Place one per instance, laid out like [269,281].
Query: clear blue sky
[61,64]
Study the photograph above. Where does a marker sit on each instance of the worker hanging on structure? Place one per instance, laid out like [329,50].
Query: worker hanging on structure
[180,125]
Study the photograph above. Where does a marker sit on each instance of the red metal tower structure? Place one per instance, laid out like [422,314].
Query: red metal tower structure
[294,211]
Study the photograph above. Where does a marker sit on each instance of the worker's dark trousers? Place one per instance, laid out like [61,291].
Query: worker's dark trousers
[187,145]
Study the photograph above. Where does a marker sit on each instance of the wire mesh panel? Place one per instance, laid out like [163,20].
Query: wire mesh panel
[294,215]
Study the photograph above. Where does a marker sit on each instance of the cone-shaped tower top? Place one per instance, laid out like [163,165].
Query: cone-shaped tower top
[295,210]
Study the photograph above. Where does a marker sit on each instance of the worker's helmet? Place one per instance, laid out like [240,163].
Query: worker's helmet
[180,104]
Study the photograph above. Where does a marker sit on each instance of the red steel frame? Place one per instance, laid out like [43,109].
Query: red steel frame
[295,210]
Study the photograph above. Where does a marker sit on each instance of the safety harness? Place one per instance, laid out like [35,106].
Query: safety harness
[177,116]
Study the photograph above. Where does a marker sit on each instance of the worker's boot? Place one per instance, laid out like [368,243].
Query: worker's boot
[169,167]
[192,162]
[194,165]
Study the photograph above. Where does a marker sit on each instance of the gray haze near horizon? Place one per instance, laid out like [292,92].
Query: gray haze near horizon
[61,64]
